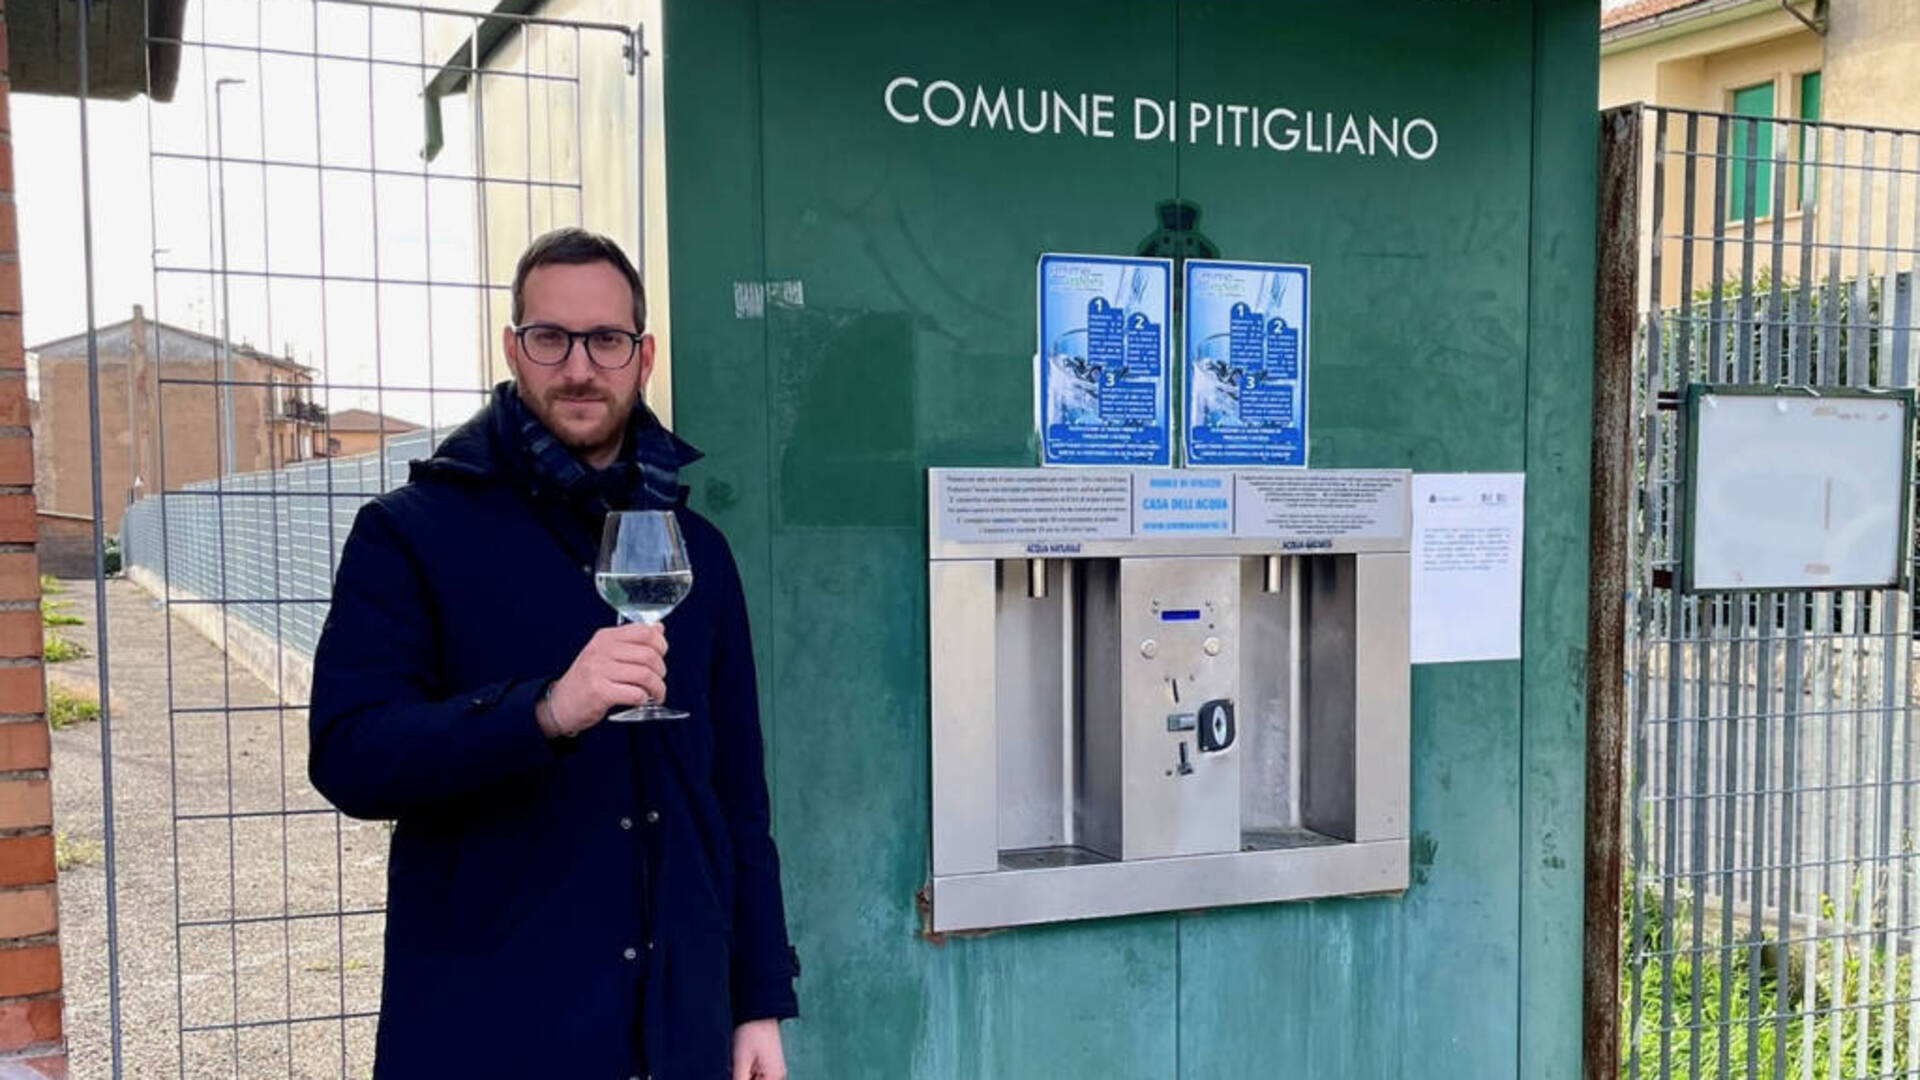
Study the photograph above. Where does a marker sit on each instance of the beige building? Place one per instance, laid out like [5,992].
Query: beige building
[1758,70]
[604,145]
[361,431]
[156,378]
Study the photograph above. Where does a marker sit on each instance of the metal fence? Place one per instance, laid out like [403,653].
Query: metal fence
[264,543]
[341,186]
[1772,917]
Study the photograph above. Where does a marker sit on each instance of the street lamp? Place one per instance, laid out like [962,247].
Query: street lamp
[226,331]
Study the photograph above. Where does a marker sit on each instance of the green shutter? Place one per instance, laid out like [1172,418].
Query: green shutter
[1754,101]
[1809,139]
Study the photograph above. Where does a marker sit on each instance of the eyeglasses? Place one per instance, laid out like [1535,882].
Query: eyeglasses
[607,348]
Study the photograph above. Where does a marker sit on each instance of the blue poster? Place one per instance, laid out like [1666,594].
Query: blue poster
[1104,358]
[1246,357]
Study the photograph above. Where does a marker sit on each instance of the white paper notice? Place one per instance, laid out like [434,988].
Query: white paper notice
[1467,531]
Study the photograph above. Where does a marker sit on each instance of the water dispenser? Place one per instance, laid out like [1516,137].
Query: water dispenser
[1165,689]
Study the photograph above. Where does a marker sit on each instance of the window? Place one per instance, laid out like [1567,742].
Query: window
[1809,138]
[1754,101]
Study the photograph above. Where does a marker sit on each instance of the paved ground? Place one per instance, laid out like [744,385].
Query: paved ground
[263,868]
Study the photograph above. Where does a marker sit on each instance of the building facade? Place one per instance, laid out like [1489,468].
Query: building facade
[360,431]
[1760,72]
[157,378]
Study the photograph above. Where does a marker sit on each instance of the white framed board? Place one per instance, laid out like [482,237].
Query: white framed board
[1796,488]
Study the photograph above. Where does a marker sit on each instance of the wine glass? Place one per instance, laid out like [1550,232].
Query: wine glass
[643,573]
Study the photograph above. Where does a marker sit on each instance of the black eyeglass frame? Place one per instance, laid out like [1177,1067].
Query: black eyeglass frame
[580,337]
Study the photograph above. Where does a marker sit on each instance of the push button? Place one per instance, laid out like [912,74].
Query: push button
[626,823]
[653,817]
[631,953]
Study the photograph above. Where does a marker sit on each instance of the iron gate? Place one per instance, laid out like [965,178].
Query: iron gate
[1771,921]
[340,189]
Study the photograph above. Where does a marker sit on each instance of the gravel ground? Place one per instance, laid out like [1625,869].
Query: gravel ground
[246,938]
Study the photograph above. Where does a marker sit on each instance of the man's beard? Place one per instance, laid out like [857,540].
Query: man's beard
[611,429]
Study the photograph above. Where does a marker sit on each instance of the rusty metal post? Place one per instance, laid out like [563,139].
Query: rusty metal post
[1615,319]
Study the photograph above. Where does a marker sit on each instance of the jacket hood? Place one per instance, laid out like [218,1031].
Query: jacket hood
[480,450]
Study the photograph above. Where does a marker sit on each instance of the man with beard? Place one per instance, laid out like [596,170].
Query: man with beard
[566,897]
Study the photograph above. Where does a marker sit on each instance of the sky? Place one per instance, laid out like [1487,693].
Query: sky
[287,222]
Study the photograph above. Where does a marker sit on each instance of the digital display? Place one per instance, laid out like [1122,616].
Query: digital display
[1182,615]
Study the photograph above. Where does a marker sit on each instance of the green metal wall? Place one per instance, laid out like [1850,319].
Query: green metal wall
[1452,331]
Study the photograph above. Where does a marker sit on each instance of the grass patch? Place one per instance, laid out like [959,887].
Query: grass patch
[59,650]
[73,852]
[50,585]
[53,613]
[66,708]
[1847,1016]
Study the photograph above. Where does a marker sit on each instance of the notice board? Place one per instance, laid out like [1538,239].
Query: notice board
[1796,487]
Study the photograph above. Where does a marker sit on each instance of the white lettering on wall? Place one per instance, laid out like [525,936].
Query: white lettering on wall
[907,82]
[959,103]
[947,103]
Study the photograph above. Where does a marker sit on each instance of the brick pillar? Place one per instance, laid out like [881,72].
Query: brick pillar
[31,1037]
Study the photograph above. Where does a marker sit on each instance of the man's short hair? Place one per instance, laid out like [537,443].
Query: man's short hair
[573,246]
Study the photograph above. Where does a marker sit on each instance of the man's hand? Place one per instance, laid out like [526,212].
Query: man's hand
[620,666]
[756,1051]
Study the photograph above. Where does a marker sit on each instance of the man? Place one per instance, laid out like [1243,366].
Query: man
[567,897]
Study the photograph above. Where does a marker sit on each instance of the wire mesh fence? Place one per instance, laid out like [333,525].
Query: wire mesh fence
[1772,920]
[340,189]
[262,544]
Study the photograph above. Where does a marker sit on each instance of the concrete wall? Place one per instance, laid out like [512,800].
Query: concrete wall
[66,545]
[1873,63]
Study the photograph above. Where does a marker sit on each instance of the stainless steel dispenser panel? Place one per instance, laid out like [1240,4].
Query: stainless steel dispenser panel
[1383,696]
[1328,690]
[1056,894]
[1097,787]
[1127,721]
[1269,688]
[1030,663]
[1179,651]
[960,643]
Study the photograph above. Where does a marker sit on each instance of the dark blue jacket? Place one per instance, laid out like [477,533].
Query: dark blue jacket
[600,907]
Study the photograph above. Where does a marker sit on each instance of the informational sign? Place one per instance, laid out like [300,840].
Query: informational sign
[1467,535]
[1299,512]
[1309,509]
[1797,488]
[1181,503]
[1245,345]
[1102,384]
[989,505]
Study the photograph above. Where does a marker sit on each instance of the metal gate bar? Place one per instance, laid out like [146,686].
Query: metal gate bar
[1768,921]
[276,900]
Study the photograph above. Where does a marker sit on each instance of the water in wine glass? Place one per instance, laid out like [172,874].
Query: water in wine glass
[642,574]
[644,597]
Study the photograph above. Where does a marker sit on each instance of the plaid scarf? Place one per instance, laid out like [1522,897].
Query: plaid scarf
[645,475]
